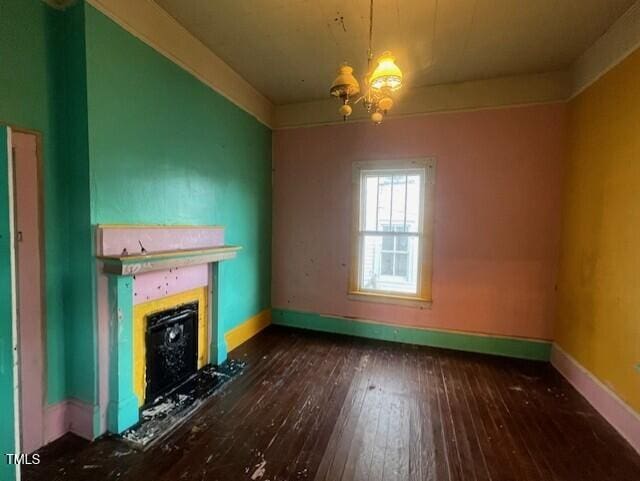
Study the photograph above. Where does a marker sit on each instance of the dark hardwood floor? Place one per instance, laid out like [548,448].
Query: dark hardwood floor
[330,408]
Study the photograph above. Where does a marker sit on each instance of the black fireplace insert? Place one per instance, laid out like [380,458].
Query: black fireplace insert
[172,349]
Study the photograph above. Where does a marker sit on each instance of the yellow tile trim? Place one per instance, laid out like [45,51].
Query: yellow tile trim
[249,328]
[140,313]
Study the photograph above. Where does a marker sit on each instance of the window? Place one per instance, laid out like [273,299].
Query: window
[393,202]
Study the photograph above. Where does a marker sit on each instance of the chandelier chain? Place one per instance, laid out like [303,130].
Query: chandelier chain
[370,51]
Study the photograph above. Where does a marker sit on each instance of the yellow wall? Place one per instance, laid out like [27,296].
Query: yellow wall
[249,328]
[599,282]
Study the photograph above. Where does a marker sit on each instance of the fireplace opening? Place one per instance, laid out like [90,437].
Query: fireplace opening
[171,349]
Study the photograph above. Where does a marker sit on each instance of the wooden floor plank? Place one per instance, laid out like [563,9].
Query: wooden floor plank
[335,408]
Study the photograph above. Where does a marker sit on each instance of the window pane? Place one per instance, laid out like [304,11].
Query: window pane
[370,187]
[402,265]
[387,242]
[413,203]
[386,268]
[384,201]
[398,202]
[402,243]
[391,202]
[389,271]
[370,261]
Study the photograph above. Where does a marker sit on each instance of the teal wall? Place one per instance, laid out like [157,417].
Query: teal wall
[163,148]
[166,149]
[30,79]
[128,137]
[80,322]
[7,432]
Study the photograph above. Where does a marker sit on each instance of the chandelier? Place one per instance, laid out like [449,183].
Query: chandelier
[380,84]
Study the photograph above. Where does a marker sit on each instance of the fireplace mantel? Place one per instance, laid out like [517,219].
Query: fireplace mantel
[128,265]
[140,263]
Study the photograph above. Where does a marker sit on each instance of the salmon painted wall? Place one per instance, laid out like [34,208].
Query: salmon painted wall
[599,283]
[497,217]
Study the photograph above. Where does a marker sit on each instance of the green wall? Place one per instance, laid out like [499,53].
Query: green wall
[80,322]
[166,149]
[128,137]
[7,432]
[30,78]
[151,144]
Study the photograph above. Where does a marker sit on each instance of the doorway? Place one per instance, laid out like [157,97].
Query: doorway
[28,231]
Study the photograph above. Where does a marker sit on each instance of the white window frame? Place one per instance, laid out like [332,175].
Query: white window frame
[426,169]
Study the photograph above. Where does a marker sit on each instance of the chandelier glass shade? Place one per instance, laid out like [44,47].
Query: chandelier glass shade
[345,83]
[387,74]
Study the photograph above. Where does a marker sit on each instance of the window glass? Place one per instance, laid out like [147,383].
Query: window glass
[390,217]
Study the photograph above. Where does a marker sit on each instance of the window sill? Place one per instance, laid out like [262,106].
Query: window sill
[389,299]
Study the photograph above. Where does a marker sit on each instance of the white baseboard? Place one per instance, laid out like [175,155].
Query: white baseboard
[617,412]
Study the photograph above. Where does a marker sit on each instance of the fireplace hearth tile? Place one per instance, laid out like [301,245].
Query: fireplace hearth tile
[170,411]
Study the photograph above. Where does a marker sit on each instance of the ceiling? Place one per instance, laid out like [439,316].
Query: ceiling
[289,50]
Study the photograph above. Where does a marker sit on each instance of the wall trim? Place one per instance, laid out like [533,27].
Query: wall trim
[55,421]
[615,410]
[425,114]
[520,90]
[13,287]
[60,4]
[521,348]
[249,328]
[616,44]
[147,21]
[70,415]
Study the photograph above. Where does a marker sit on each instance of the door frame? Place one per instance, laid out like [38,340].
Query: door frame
[15,252]
[15,386]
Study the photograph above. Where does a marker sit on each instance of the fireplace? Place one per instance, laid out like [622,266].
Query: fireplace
[158,315]
[171,342]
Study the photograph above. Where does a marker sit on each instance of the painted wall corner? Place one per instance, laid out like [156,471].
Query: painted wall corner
[245,331]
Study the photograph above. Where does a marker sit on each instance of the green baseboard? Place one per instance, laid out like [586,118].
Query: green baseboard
[496,345]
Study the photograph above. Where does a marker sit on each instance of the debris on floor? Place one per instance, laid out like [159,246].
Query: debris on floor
[171,410]
[260,470]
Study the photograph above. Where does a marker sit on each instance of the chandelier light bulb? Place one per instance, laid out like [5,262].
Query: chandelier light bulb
[376,117]
[345,110]
[385,104]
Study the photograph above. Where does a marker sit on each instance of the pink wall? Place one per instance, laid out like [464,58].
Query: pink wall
[497,217]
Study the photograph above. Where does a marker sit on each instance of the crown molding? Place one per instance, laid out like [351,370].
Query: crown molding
[147,21]
[474,95]
[620,40]
[60,4]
